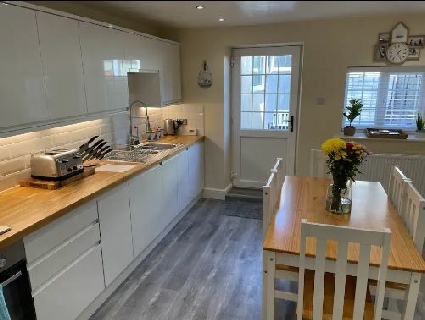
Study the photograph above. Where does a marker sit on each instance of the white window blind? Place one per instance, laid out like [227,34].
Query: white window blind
[392,96]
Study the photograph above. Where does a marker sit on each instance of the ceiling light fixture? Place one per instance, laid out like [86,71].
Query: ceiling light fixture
[110,26]
[199,7]
[221,19]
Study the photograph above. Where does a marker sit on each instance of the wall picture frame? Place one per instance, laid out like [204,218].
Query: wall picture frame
[399,33]
[380,52]
[414,54]
[384,37]
[416,41]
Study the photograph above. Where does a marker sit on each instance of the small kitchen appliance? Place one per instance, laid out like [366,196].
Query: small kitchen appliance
[57,164]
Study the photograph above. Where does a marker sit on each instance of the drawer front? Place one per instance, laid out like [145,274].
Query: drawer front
[49,237]
[42,270]
[70,292]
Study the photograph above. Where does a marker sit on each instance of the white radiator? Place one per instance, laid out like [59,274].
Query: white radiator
[376,167]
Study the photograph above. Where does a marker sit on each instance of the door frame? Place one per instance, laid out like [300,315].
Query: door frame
[289,167]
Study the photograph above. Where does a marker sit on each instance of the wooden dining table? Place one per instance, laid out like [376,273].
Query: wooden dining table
[304,198]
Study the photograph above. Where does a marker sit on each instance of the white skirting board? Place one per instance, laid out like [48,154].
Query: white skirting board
[91,309]
[213,193]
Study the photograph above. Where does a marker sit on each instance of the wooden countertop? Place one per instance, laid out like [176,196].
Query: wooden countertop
[26,209]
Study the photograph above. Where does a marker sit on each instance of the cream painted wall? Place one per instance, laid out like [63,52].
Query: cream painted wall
[330,46]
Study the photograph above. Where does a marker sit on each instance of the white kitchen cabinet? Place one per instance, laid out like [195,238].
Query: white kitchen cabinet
[22,95]
[196,169]
[169,188]
[71,291]
[183,193]
[142,52]
[105,68]
[115,227]
[62,63]
[170,72]
[145,203]
[65,264]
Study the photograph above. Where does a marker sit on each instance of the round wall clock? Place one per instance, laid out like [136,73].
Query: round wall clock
[397,53]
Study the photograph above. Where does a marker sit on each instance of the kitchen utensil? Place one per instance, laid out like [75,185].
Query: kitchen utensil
[95,150]
[104,153]
[85,146]
[87,153]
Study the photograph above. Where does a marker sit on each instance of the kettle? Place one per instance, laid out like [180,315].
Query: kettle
[168,127]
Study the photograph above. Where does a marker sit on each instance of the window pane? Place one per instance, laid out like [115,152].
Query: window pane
[270,121]
[258,83]
[246,84]
[246,65]
[246,120]
[258,65]
[271,102]
[257,120]
[257,102]
[390,98]
[271,83]
[246,102]
[283,102]
[273,64]
[285,83]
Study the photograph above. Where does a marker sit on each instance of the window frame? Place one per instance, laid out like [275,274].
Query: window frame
[381,94]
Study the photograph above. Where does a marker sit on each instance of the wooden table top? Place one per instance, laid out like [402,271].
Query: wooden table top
[304,198]
[26,209]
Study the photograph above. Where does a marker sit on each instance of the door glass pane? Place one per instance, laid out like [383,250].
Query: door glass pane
[271,83]
[246,102]
[246,65]
[265,92]
[271,102]
[258,102]
[246,84]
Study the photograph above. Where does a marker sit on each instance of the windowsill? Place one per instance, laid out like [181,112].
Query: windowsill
[362,135]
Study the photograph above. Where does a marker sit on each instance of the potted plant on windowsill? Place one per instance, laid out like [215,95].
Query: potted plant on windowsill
[353,111]
[420,127]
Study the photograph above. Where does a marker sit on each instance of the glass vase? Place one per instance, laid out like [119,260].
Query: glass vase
[339,198]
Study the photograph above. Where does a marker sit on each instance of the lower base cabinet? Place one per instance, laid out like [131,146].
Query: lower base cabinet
[115,228]
[72,290]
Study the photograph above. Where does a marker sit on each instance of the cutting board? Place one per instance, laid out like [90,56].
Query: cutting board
[52,185]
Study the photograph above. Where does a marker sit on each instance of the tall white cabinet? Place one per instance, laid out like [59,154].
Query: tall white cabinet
[62,64]
[22,95]
[170,72]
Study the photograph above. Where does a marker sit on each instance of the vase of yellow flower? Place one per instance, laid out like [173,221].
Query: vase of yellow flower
[343,161]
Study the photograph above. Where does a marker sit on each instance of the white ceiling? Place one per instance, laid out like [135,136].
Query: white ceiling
[183,14]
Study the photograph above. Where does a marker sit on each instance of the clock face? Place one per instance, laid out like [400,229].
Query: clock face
[397,53]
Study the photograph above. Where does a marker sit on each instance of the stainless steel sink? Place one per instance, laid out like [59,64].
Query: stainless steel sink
[159,145]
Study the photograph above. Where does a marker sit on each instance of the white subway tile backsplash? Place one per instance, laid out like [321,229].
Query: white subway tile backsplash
[15,151]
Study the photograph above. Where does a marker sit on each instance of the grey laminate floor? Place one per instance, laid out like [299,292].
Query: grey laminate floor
[207,268]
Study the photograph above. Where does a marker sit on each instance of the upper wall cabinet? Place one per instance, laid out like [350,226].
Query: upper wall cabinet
[170,72]
[62,63]
[105,68]
[22,95]
[142,52]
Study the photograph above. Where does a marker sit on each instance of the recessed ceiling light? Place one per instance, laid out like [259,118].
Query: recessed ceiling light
[199,7]
[221,19]
[110,26]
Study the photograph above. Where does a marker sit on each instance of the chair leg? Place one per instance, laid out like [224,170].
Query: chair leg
[268,285]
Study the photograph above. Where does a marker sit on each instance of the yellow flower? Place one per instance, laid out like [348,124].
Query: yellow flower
[333,145]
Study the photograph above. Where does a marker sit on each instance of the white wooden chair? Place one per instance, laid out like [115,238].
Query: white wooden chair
[395,186]
[279,170]
[340,295]
[269,201]
[412,212]
[318,167]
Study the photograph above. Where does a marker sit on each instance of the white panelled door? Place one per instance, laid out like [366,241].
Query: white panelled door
[265,100]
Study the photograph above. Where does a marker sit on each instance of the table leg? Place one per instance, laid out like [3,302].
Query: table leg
[268,285]
[412,296]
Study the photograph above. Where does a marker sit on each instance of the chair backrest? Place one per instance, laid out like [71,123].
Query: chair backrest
[395,186]
[412,213]
[318,167]
[343,236]
[269,200]
[279,168]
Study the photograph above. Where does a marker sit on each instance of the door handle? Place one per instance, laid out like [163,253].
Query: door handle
[11,279]
[292,123]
